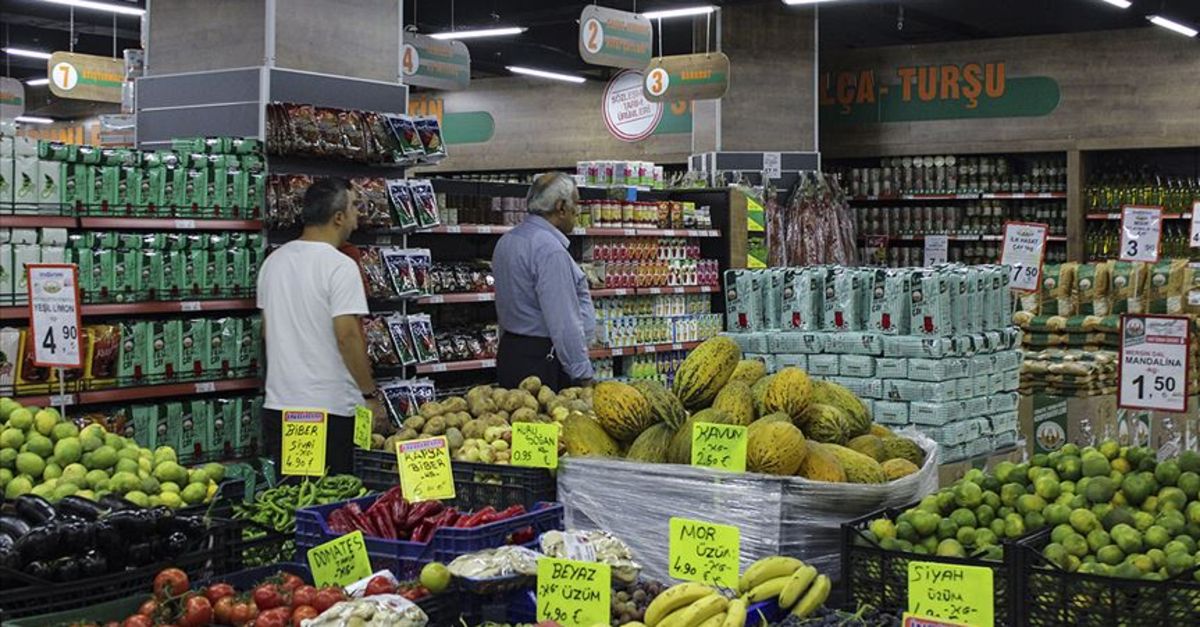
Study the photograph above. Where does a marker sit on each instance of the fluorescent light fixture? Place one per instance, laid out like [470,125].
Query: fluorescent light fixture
[482,32]
[33,119]
[99,6]
[800,2]
[1172,25]
[32,54]
[516,69]
[1123,4]
[684,12]
[37,82]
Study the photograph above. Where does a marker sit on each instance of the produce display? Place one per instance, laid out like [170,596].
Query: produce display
[794,585]
[505,561]
[865,616]
[274,511]
[393,518]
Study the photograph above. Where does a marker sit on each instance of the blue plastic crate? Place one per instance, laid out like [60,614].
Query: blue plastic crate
[405,559]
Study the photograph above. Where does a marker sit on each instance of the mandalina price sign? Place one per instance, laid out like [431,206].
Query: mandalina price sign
[535,445]
[303,449]
[425,473]
[340,562]
[574,594]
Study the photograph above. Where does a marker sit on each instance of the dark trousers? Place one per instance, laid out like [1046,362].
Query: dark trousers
[339,441]
[520,356]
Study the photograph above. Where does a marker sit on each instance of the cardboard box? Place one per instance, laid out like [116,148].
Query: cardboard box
[949,473]
[172,416]
[1049,422]
[1168,433]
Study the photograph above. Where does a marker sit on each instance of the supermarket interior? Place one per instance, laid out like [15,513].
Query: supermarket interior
[549,313]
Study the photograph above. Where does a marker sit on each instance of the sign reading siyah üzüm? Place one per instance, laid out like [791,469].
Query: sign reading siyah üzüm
[934,92]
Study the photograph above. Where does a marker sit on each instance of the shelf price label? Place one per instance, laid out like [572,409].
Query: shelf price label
[719,446]
[1154,363]
[535,445]
[704,552]
[1194,238]
[425,472]
[962,594]
[340,562]
[303,449]
[54,319]
[1024,252]
[574,594]
[1141,228]
[937,249]
[364,419]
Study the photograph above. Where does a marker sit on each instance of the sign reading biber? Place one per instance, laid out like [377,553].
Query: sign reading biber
[86,76]
[303,448]
[614,38]
[704,552]
[425,473]
[363,421]
[963,594]
[574,594]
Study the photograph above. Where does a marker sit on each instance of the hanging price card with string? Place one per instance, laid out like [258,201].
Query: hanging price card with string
[303,448]
[1154,363]
[1141,229]
[574,594]
[1194,238]
[961,594]
[425,473]
[1024,252]
[534,445]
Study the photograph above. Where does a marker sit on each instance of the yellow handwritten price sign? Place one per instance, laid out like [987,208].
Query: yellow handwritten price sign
[535,445]
[961,594]
[912,620]
[363,420]
[425,473]
[303,447]
[340,562]
[704,552]
[719,446]
[574,594]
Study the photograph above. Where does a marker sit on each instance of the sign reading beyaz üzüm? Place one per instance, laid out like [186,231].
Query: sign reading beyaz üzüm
[86,76]
[701,76]
[614,38]
[435,63]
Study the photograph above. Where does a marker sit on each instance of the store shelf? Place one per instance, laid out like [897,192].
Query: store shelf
[608,292]
[1117,216]
[169,224]
[456,366]
[116,395]
[499,229]
[954,238]
[37,222]
[964,196]
[1026,196]
[680,289]
[663,348]
[11,312]
[595,353]
[468,229]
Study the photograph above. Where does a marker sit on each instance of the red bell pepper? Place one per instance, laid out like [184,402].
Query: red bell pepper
[356,517]
[383,520]
[474,520]
[421,511]
[511,512]
[338,522]
[524,535]
[398,509]
[423,532]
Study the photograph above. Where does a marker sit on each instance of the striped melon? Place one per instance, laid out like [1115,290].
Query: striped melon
[758,391]
[621,410]
[680,450]
[663,404]
[790,391]
[859,468]
[651,445]
[825,423]
[821,465]
[585,437]
[705,371]
[749,371]
[735,398]
[775,448]
[768,419]
[857,414]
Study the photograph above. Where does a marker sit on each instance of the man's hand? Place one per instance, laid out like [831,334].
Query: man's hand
[382,423]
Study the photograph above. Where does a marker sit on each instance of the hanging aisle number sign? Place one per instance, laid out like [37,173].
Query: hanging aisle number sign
[54,318]
[702,76]
[614,38]
[434,63]
[1154,362]
[303,448]
[425,472]
[1141,228]
[1024,251]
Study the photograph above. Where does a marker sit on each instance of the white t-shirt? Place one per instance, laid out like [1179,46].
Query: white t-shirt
[302,287]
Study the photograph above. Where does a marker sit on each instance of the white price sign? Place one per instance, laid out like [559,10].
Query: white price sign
[1154,362]
[1024,251]
[1194,238]
[1141,228]
[54,315]
[772,165]
[937,247]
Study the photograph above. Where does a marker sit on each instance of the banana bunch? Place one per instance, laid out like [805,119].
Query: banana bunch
[695,605]
[797,585]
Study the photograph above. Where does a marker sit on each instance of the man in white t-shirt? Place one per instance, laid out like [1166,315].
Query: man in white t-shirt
[311,296]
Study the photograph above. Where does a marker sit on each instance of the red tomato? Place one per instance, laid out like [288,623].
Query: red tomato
[223,610]
[267,597]
[218,591]
[242,614]
[138,620]
[379,585]
[171,582]
[277,617]
[327,598]
[148,608]
[197,612]
[304,595]
[290,581]
[302,612]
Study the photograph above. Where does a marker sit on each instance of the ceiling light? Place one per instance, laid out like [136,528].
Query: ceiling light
[32,119]
[544,74]
[32,54]
[684,12]
[798,2]
[1124,4]
[1172,25]
[37,82]
[99,6]
[483,32]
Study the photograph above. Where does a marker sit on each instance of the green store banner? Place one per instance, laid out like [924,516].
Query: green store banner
[435,63]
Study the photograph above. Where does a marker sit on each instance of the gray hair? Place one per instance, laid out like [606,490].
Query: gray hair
[547,189]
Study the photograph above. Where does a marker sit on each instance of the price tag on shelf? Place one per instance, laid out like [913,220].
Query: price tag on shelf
[937,248]
[185,224]
[60,400]
[574,594]
[772,165]
[340,562]
[535,445]
[1194,238]
[1154,363]
[1141,228]
[303,449]
[189,305]
[913,620]
[364,419]
[54,318]
[205,387]
[719,446]
[963,594]
[704,552]
[1024,250]
[425,472]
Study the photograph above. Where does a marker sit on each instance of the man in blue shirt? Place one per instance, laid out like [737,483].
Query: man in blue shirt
[542,301]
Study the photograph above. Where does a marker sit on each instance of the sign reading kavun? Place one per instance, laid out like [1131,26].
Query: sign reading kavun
[614,38]
[702,76]
[934,92]
[435,63]
[86,76]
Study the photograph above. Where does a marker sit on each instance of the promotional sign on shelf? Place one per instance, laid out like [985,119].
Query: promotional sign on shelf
[701,76]
[1194,238]
[614,38]
[534,445]
[341,561]
[628,115]
[435,63]
[961,594]
[1154,362]
[704,552]
[364,419]
[772,165]
[425,473]
[719,446]
[1024,251]
[1141,228]
[574,594]
[54,317]
[937,249]
[86,76]
[303,447]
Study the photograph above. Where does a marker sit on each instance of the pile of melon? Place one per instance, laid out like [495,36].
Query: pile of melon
[814,429]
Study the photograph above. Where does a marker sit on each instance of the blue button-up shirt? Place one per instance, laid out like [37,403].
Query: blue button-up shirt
[541,292]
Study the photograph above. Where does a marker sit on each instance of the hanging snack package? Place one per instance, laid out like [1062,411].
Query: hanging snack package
[381,145]
[398,394]
[371,200]
[1166,286]
[400,271]
[379,284]
[405,132]
[423,391]
[402,338]
[1125,287]
[305,133]
[329,130]
[353,135]
[403,205]
[106,344]
[426,204]
[421,262]
[421,328]
[1090,294]
[380,348]
[431,136]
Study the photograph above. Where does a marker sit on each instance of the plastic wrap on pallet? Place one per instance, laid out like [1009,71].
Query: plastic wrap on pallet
[776,515]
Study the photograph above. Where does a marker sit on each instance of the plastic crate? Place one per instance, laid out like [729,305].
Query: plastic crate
[877,577]
[522,608]
[475,485]
[1048,595]
[405,559]
[252,545]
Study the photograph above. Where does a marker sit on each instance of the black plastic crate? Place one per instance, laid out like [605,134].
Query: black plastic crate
[251,545]
[230,492]
[475,485]
[1048,595]
[874,576]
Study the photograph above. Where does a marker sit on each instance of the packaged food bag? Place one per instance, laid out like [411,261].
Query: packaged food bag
[1165,286]
[1127,286]
[1090,293]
